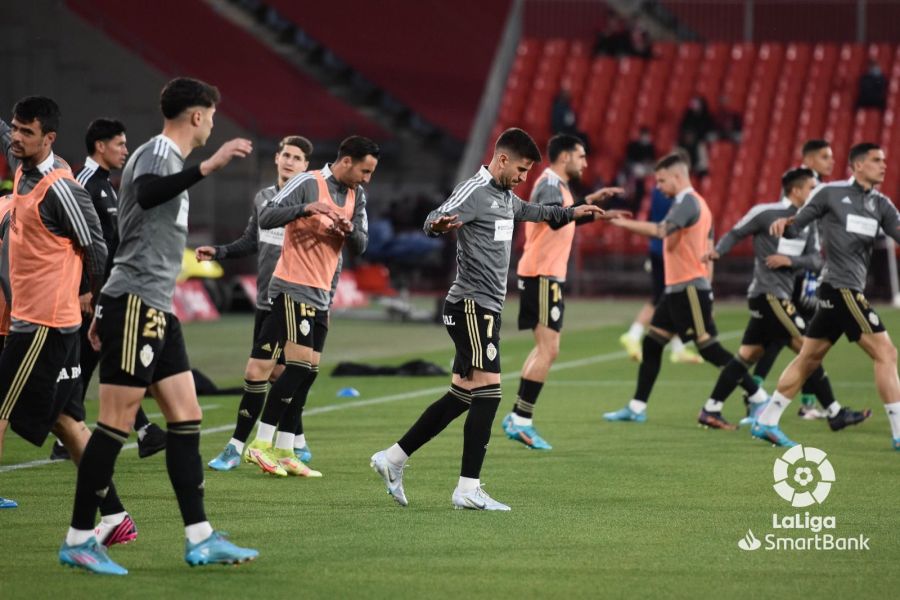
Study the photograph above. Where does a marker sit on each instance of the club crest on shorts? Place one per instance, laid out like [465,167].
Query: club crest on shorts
[304,327]
[800,322]
[146,355]
[491,351]
[873,319]
[554,313]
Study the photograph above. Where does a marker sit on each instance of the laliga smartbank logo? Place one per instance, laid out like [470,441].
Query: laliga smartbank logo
[803,477]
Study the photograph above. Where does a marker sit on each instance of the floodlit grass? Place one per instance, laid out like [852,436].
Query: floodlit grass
[614,510]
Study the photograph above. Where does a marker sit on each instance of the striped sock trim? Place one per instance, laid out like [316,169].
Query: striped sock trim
[256,387]
[488,391]
[524,406]
[184,428]
[299,363]
[119,436]
[460,394]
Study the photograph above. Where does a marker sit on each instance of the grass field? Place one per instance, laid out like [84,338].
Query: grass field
[614,511]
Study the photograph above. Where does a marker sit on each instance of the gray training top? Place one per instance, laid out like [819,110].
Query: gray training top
[289,204]
[267,244]
[849,218]
[152,240]
[488,214]
[803,250]
[684,212]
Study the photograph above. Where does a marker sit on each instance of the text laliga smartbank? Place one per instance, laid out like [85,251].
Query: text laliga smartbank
[803,477]
[814,524]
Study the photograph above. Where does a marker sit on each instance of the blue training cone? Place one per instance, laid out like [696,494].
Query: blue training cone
[348,392]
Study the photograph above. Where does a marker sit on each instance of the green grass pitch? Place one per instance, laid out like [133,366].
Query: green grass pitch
[613,511]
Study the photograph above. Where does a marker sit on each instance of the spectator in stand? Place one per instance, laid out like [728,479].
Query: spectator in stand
[640,156]
[697,126]
[728,123]
[563,118]
[641,44]
[615,38]
[697,119]
[872,88]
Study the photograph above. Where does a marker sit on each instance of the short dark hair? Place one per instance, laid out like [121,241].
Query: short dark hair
[184,92]
[860,150]
[357,148]
[794,178]
[297,140]
[44,109]
[562,142]
[672,159]
[101,130]
[517,142]
[814,146]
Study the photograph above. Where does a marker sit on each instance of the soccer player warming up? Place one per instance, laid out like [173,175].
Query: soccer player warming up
[774,319]
[850,214]
[266,362]
[542,272]
[320,212]
[140,341]
[484,210]
[686,306]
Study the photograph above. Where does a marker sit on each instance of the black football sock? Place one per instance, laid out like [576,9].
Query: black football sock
[282,391]
[140,419]
[477,430]
[186,469]
[313,373]
[435,418]
[652,350]
[249,409]
[527,397]
[95,473]
[729,378]
[821,386]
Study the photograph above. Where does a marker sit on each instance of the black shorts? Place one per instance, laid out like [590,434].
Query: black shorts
[476,334]
[30,367]
[843,311]
[266,343]
[772,320]
[658,275]
[140,345]
[540,303]
[295,322]
[687,313]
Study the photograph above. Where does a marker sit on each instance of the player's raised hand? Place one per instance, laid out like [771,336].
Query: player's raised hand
[612,215]
[778,226]
[445,224]
[604,194]
[321,208]
[778,261]
[204,253]
[236,148]
[710,256]
[584,210]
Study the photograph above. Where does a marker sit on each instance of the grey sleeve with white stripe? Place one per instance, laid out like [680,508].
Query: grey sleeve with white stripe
[462,204]
[748,225]
[290,203]
[67,211]
[5,145]
[358,239]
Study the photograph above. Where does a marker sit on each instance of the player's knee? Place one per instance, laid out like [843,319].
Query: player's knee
[257,370]
[889,354]
[749,355]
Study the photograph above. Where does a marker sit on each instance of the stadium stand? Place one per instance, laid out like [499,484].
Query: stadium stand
[420,68]
[242,68]
[785,93]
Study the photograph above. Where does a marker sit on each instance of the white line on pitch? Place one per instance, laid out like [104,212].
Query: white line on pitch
[560,366]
